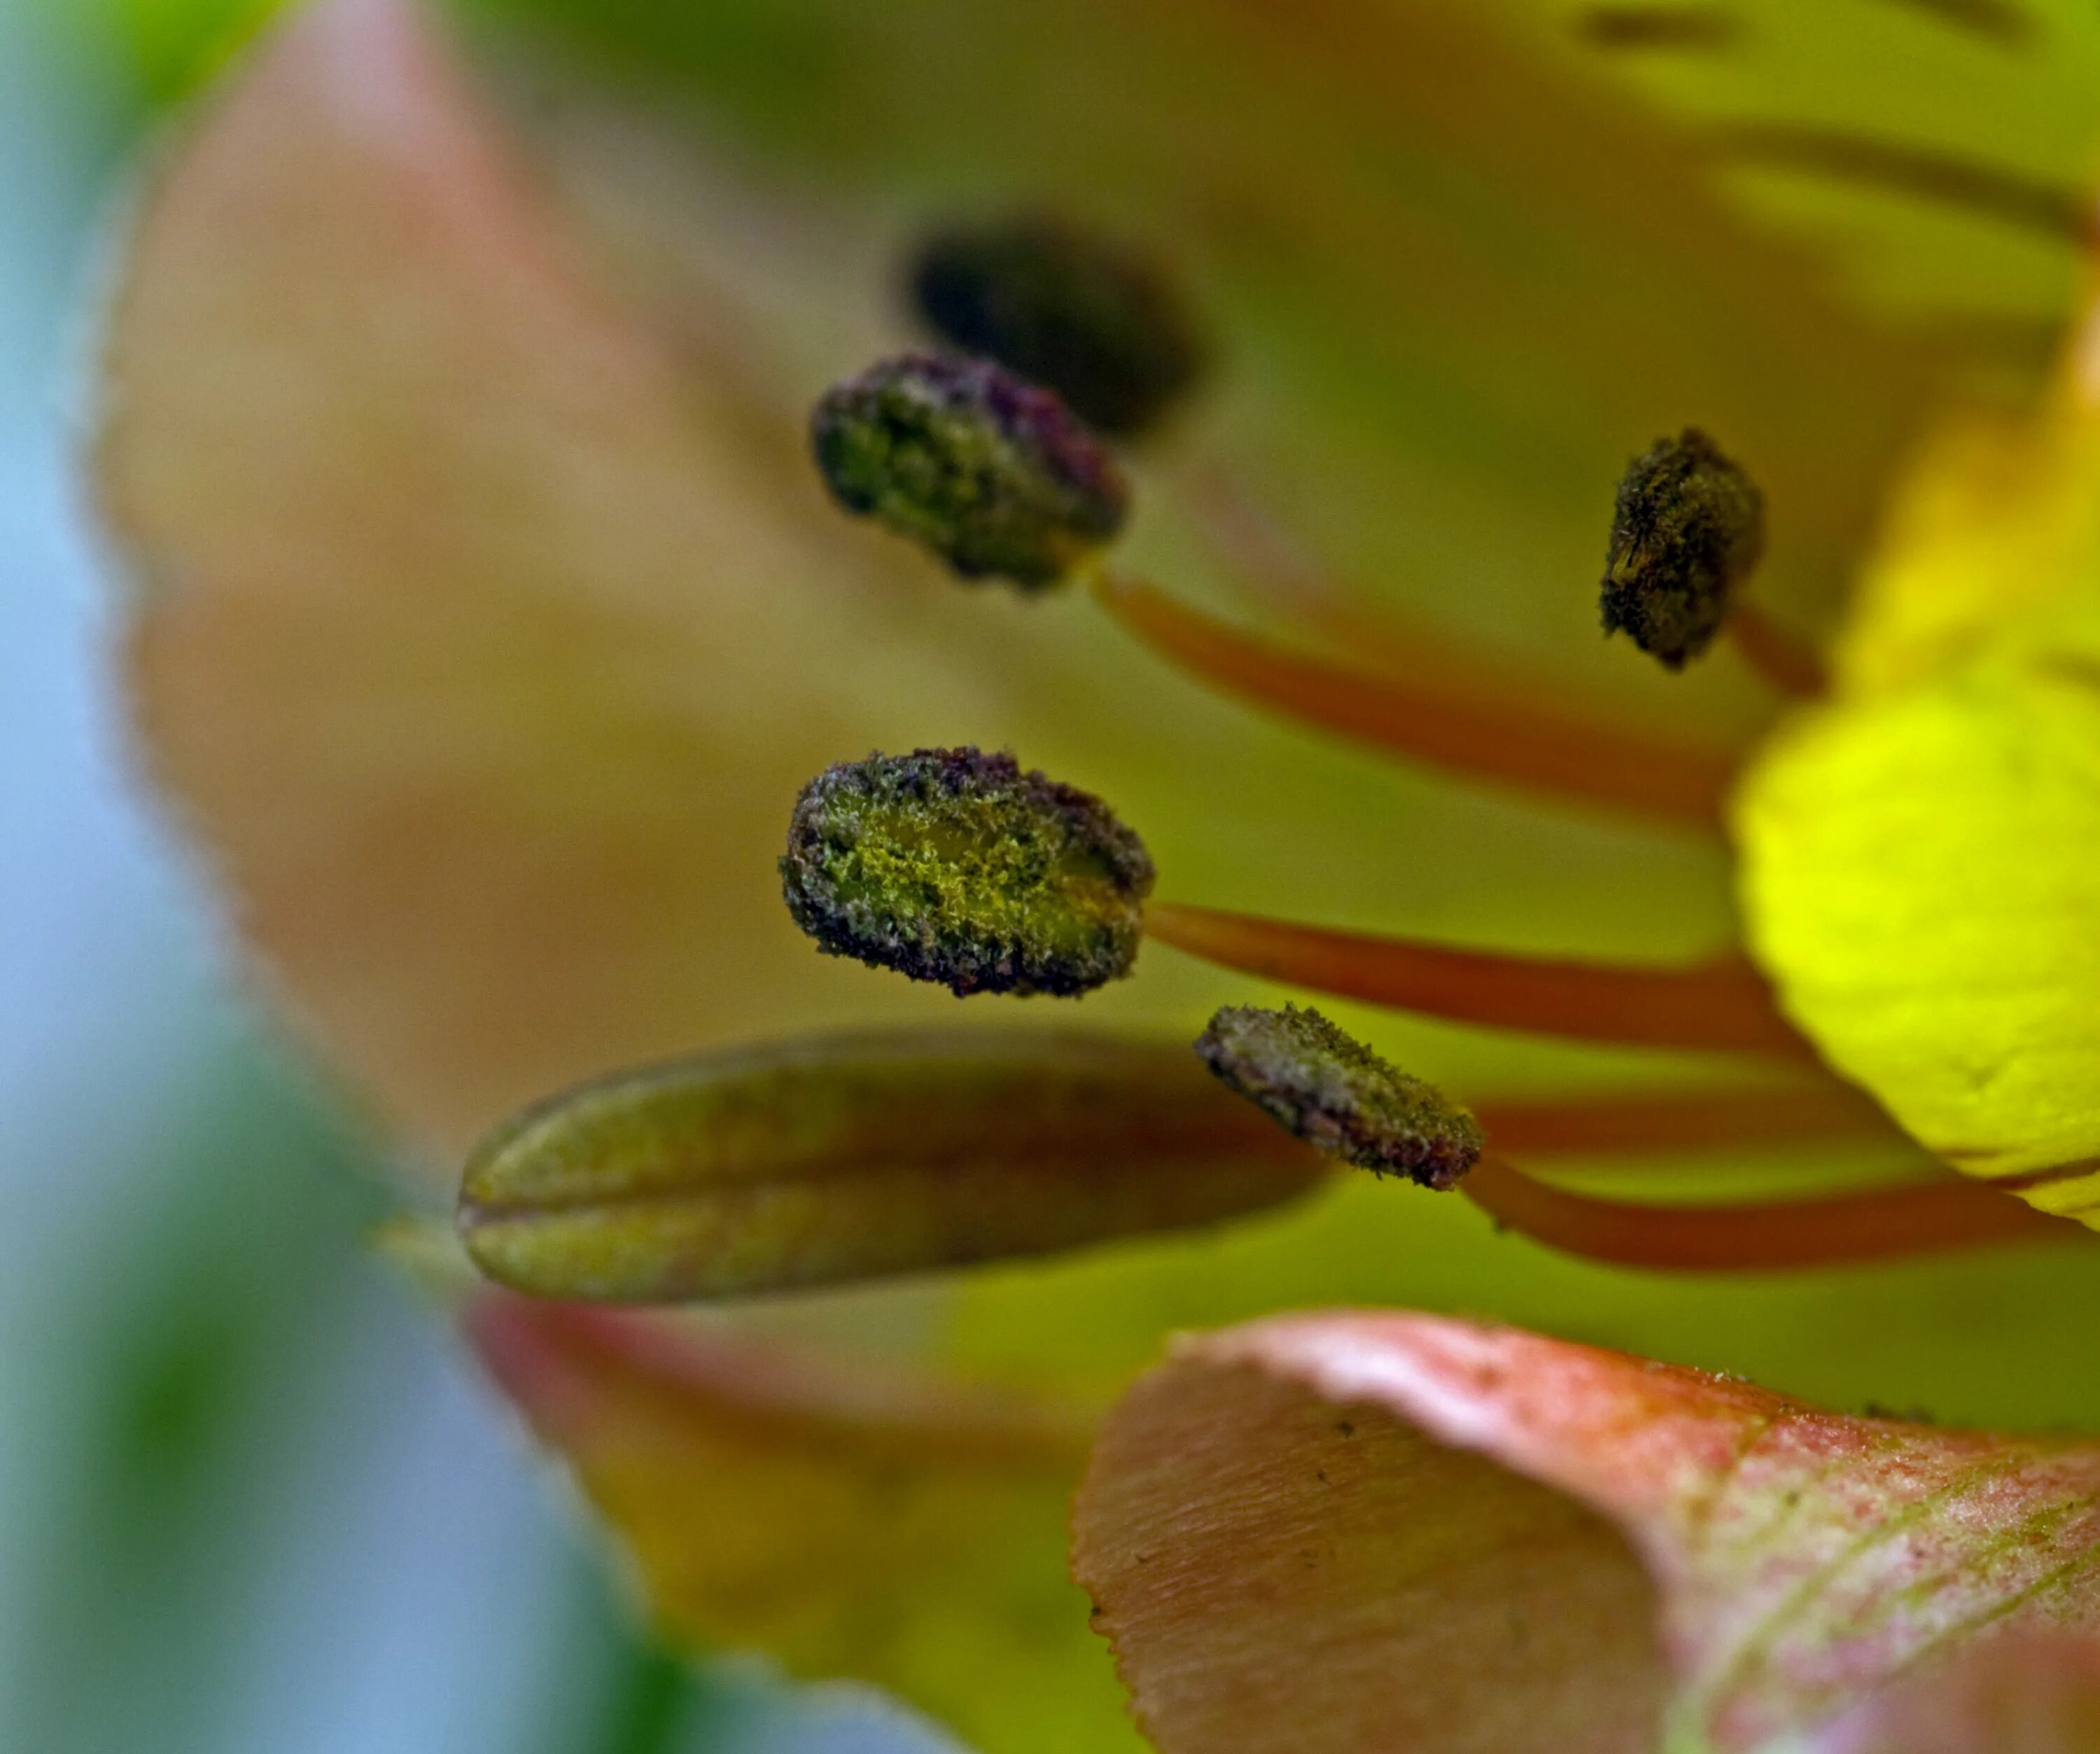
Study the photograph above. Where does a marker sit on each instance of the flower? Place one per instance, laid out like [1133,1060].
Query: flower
[492,619]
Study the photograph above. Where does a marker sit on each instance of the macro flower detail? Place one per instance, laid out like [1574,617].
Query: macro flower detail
[955,866]
[1454,1535]
[491,618]
[991,473]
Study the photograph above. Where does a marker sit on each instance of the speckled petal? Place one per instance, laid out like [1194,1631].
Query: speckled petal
[1340,1533]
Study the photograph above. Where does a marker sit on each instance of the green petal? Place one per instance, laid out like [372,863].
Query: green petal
[1939,153]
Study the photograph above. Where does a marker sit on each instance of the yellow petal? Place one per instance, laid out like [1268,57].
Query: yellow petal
[851,1522]
[1918,867]
[843,1159]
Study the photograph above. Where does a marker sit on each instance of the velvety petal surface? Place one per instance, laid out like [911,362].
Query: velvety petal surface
[1365,1532]
[851,1522]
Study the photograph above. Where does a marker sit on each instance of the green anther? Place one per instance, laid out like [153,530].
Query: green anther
[996,476]
[953,866]
[1689,528]
[1098,322]
[1337,1095]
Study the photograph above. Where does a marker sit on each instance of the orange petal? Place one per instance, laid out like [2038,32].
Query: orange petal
[1345,1532]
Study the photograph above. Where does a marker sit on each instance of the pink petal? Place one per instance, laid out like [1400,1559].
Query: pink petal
[1450,1536]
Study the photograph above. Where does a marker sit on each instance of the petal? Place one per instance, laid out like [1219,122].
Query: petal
[854,1522]
[1458,1537]
[848,1158]
[1918,869]
[2037,1693]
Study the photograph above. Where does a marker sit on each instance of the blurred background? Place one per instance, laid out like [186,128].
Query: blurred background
[249,1499]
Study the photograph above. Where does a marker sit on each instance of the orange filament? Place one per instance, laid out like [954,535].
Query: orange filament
[1722,1004]
[1920,1217]
[1469,725]
[1679,1120]
[1788,662]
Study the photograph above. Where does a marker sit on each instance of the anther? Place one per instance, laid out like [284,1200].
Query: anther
[955,867]
[1688,529]
[1098,322]
[996,476]
[1337,1094]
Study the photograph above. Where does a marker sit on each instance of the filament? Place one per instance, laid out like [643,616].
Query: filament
[1788,662]
[1503,735]
[1678,1121]
[1922,1218]
[1724,1005]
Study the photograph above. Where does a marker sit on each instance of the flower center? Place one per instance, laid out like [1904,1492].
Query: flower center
[932,446]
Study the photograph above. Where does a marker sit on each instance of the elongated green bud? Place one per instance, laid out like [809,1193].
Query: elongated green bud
[996,476]
[1689,528]
[1335,1093]
[1097,321]
[953,866]
[825,1161]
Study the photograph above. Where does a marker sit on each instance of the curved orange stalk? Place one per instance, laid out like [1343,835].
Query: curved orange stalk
[1469,727]
[1673,1120]
[1790,664]
[1922,1218]
[1724,1005]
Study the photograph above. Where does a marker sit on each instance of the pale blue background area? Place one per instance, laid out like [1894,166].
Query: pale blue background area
[249,1499]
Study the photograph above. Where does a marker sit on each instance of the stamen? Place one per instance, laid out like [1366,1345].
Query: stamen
[1688,529]
[2056,210]
[1925,1217]
[1681,1120]
[996,476]
[831,1161]
[953,866]
[1511,739]
[1789,663]
[1324,1086]
[1063,306]
[1720,1006]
